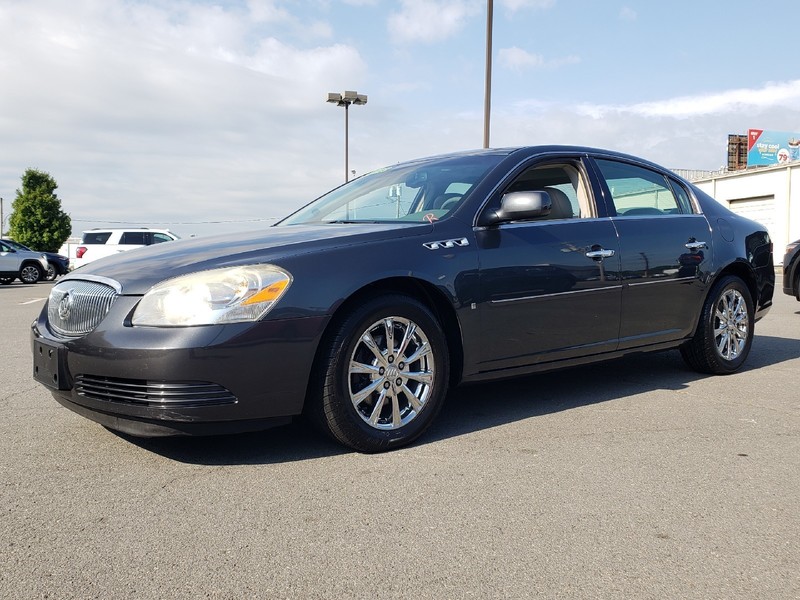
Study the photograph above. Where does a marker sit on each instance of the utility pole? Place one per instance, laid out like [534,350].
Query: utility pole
[487,97]
[1,217]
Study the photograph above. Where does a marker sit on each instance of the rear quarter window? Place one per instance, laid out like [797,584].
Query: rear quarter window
[100,237]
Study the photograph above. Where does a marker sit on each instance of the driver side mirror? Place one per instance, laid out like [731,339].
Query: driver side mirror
[520,206]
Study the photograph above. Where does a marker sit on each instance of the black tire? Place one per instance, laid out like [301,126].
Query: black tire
[30,273]
[724,334]
[377,404]
[6,280]
[51,273]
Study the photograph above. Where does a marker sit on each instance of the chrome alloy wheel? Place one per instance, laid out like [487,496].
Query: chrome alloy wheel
[731,324]
[391,373]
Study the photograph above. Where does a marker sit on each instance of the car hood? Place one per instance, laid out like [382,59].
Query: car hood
[138,270]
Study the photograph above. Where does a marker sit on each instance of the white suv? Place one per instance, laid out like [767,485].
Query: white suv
[97,243]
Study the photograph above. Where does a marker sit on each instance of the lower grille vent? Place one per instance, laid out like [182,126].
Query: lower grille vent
[165,394]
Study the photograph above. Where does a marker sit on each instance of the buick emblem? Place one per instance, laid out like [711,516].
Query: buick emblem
[65,306]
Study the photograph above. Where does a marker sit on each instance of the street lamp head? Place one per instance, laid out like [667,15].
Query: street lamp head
[348,98]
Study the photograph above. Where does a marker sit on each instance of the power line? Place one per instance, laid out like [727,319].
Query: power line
[76,220]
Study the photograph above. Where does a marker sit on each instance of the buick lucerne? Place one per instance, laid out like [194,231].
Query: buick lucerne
[363,308]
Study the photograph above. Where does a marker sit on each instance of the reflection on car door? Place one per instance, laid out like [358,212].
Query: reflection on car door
[665,253]
[550,287]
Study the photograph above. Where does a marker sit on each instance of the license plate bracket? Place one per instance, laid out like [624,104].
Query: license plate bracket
[50,365]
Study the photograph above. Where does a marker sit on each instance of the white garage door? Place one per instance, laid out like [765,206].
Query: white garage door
[759,209]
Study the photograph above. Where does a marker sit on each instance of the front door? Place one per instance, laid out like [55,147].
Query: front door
[550,287]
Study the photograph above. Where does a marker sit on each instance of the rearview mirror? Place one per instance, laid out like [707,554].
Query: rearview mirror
[416,179]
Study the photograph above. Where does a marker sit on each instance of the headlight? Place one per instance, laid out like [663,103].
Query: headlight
[229,295]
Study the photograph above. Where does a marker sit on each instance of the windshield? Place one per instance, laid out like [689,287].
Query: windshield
[17,245]
[416,192]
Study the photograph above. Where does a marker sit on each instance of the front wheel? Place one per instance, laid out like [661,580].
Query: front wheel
[30,274]
[725,332]
[383,375]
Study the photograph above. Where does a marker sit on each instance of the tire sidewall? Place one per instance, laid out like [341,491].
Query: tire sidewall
[340,406]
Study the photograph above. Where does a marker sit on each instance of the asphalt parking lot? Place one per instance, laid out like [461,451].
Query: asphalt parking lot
[633,479]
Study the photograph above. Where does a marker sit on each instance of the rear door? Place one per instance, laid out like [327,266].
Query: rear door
[550,286]
[665,252]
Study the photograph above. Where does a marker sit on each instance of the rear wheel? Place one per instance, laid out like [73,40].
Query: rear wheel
[724,335]
[383,375]
[30,273]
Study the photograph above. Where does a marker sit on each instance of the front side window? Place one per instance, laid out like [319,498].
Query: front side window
[563,183]
[161,237]
[637,191]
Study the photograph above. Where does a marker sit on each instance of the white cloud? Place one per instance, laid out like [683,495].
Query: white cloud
[781,94]
[518,59]
[687,132]
[267,11]
[430,21]
[626,13]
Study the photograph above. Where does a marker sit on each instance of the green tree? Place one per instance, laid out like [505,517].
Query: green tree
[36,216]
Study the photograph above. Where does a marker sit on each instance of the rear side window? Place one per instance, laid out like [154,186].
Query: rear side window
[638,192]
[134,237]
[99,237]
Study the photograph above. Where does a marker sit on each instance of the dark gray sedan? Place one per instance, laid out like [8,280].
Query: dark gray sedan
[362,309]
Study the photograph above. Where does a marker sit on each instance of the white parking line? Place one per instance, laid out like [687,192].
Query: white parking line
[33,301]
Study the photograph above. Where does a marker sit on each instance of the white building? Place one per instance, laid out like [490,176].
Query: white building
[769,195]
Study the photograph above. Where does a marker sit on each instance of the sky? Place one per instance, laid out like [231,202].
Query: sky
[210,116]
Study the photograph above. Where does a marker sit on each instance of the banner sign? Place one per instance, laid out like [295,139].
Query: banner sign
[771,147]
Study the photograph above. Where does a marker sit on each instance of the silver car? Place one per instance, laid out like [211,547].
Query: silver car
[26,265]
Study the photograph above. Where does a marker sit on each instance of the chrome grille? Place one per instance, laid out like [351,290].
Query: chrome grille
[76,307]
[170,394]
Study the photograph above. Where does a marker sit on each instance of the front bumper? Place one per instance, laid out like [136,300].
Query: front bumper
[151,381]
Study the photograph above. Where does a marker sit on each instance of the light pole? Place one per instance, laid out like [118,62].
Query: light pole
[487,96]
[346,100]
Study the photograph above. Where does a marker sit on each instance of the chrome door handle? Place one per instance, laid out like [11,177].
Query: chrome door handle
[596,254]
[696,245]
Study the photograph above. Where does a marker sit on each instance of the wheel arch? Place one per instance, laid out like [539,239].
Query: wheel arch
[426,293]
[743,271]
[739,269]
[28,262]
